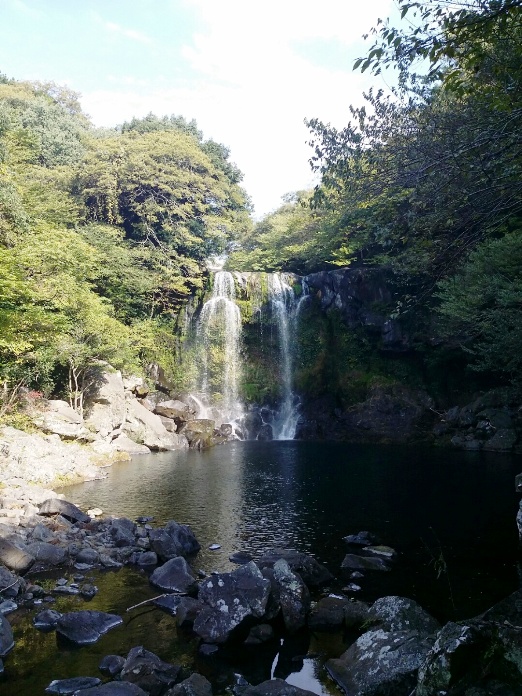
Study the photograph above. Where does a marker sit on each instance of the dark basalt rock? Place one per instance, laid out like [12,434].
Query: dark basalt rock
[6,636]
[122,532]
[85,627]
[362,539]
[275,687]
[88,556]
[311,571]
[116,688]
[46,620]
[402,614]
[294,596]
[55,506]
[111,665]
[259,634]
[195,685]
[231,598]
[353,562]
[173,540]
[68,687]
[328,614]
[381,663]
[174,576]
[148,671]
[48,554]
[9,584]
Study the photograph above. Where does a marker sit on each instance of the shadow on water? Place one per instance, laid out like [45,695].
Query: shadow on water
[451,515]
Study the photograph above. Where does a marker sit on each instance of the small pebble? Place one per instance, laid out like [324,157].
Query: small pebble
[61,581]
[214,547]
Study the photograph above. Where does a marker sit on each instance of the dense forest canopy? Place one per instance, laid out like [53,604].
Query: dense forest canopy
[103,233]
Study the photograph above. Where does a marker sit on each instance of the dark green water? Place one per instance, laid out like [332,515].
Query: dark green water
[451,515]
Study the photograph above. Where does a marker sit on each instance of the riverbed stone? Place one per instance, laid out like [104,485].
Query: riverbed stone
[381,662]
[55,506]
[85,627]
[294,596]
[311,571]
[195,685]
[87,555]
[48,554]
[353,562]
[6,636]
[46,620]
[259,634]
[122,532]
[14,558]
[394,613]
[328,614]
[173,540]
[231,598]
[363,538]
[148,671]
[111,665]
[174,576]
[67,687]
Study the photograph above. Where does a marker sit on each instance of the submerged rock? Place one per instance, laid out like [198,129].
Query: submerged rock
[85,627]
[67,687]
[353,562]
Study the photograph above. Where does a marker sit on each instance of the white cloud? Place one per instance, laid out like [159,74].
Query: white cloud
[131,34]
[253,88]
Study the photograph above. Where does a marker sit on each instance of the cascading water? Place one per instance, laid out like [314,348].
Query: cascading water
[218,336]
[284,308]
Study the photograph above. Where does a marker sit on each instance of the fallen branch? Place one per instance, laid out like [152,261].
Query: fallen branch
[11,585]
[147,601]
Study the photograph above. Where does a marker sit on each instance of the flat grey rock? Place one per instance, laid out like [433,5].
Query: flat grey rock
[85,627]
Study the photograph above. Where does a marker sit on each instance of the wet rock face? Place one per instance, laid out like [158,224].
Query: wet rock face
[85,627]
[294,596]
[230,598]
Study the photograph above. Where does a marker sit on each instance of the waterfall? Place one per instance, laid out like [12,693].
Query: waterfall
[284,308]
[218,334]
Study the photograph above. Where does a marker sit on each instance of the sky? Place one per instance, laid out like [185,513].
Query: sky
[248,71]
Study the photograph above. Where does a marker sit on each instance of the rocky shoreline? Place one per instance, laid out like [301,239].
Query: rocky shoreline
[395,646]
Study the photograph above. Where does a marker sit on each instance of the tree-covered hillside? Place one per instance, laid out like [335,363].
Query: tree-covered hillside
[425,181]
[103,234]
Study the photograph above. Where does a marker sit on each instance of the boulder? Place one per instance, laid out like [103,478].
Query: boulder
[177,410]
[46,620]
[122,532]
[381,662]
[169,424]
[174,576]
[328,614]
[14,558]
[199,433]
[502,441]
[311,571]
[148,671]
[85,627]
[402,614]
[242,557]
[55,506]
[195,685]
[362,539]
[61,419]
[294,596]
[106,405]
[123,443]
[259,634]
[353,562]
[68,687]
[231,598]
[48,554]
[147,428]
[6,636]
[173,540]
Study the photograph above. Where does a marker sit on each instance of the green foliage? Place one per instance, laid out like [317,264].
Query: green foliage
[482,307]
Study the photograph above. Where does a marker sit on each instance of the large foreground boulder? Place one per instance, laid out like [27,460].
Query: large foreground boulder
[231,599]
